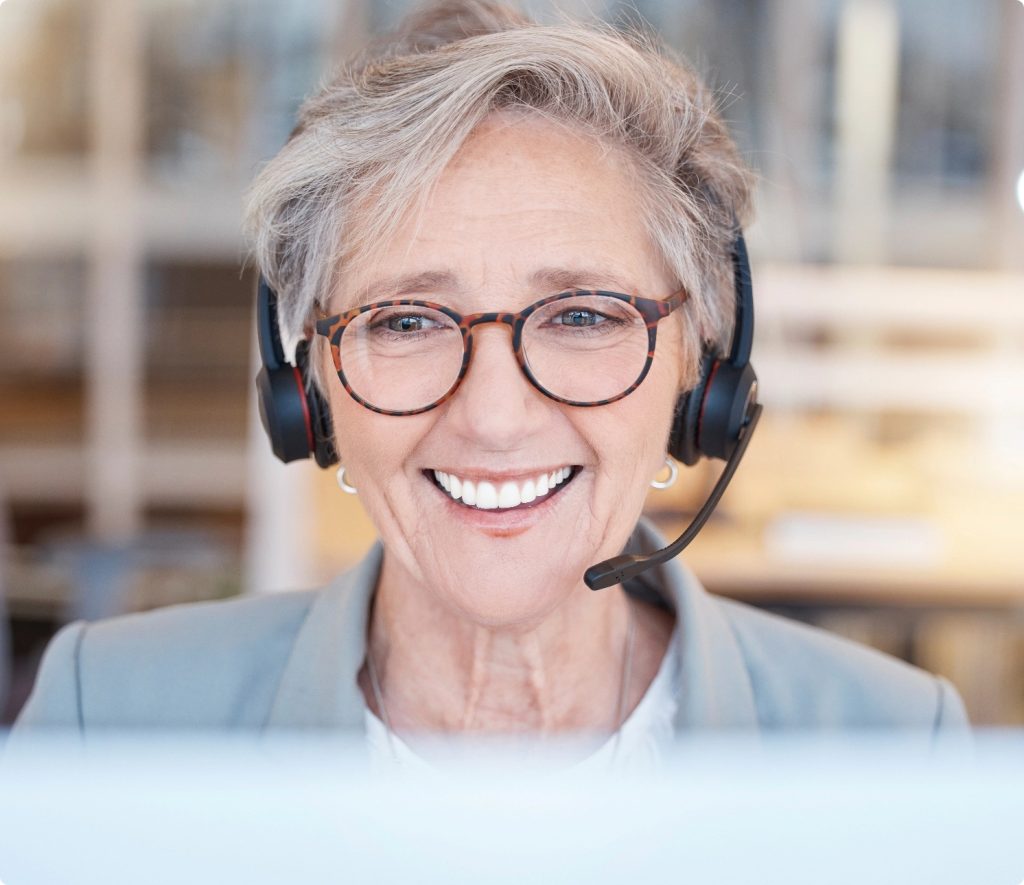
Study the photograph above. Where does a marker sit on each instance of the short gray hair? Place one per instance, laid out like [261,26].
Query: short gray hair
[382,130]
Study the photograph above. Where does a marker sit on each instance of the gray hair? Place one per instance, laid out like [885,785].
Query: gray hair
[370,143]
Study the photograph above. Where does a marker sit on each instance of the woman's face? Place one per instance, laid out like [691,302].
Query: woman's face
[525,210]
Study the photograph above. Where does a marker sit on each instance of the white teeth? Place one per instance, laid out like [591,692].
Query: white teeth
[485,496]
[508,495]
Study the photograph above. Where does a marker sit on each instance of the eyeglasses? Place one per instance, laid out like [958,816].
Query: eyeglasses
[581,348]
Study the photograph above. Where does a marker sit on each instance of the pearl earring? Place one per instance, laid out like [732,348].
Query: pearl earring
[673,475]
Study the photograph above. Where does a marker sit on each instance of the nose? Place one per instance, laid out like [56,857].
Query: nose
[495,406]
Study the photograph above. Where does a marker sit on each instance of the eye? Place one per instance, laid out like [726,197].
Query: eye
[407,323]
[590,316]
[579,316]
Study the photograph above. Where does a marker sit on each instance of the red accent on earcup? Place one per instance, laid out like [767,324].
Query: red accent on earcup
[318,414]
[708,385]
[305,408]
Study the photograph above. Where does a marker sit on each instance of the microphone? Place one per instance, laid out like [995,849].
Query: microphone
[621,568]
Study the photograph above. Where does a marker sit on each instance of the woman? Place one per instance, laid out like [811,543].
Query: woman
[479,163]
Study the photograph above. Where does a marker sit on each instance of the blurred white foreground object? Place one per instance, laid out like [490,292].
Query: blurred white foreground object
[725,810]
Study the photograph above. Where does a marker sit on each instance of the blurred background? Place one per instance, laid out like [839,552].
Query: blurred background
[883,497]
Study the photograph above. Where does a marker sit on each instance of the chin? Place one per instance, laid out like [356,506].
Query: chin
[504,568]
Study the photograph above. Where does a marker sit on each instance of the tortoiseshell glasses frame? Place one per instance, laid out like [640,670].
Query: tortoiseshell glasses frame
[651,310]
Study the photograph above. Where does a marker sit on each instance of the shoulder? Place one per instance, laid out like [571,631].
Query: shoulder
[804,676]
[212,630]
[750,667]
[204,664]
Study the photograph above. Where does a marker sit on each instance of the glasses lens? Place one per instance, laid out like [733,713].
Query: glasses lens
[586,348]
[401,358]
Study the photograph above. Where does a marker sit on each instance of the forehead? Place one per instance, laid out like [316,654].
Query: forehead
[525,206]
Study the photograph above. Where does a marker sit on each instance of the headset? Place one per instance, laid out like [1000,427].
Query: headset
[293,411]
[715,419]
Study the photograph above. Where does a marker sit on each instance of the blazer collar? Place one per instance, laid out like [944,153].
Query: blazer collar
[318,687]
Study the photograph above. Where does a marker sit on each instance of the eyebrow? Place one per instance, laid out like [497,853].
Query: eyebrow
[561,278]
[406,284]
[547,279]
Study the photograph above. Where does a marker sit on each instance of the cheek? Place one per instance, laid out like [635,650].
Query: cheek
[368,444]
[363,441]
[655,400]
[631,435]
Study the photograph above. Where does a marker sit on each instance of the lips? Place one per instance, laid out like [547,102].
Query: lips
[486,494]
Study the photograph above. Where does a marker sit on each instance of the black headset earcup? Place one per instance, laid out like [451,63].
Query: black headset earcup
[284,412]
[682,443]
[729,396]
[297,420]
[321,427]
[294,414]
[710,417]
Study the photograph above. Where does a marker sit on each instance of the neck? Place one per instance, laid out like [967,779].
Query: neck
[439,671]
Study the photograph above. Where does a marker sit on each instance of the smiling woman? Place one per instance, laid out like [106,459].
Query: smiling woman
[512,201]
[503,256]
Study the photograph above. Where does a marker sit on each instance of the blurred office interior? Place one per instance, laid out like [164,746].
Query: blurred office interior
[883,497]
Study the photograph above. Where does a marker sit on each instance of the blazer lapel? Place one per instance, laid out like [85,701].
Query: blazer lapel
[318,687]
[715,686]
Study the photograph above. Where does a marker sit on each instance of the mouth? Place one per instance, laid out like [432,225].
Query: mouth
[514,493]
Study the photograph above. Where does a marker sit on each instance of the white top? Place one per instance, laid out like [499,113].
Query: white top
[636,747]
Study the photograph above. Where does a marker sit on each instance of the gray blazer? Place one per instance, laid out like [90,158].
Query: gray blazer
[289,661]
